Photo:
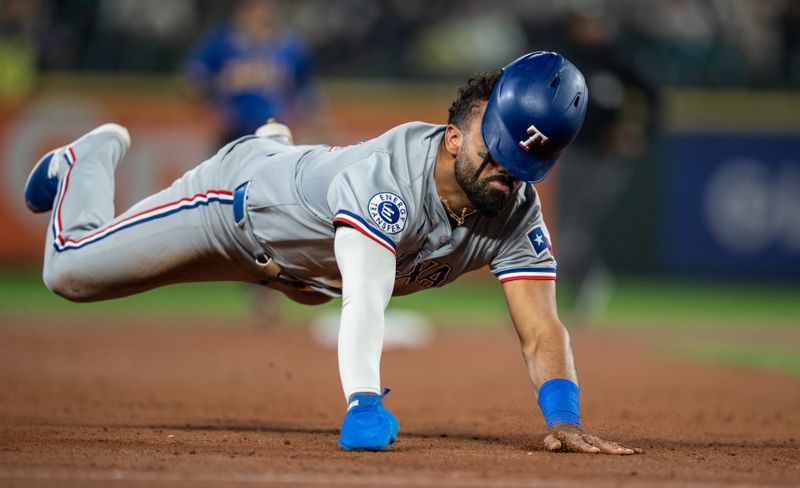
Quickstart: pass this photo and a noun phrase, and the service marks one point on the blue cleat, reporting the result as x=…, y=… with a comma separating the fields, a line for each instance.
x=42, y=184
x=368, y=426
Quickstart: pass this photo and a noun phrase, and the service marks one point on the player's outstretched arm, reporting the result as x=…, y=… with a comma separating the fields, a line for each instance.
x=548, y=356
x=367, y=270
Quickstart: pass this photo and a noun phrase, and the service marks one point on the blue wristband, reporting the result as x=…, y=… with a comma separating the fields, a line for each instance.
x=559, y=400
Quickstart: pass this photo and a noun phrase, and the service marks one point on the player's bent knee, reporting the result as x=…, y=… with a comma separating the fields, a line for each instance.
x=71, y=286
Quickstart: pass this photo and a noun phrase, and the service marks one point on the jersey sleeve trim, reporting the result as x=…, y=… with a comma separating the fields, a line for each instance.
x=359, y=224
x=526, y=274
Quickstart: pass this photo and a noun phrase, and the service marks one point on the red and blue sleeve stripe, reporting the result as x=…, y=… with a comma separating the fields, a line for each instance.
x=526, y=274
x=358, y=223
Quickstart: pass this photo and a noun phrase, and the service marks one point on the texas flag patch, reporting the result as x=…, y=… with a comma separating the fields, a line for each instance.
x=540, y=241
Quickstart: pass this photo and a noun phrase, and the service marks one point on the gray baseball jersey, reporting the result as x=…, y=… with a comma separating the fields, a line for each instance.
x=257, y=196
x=385, y=189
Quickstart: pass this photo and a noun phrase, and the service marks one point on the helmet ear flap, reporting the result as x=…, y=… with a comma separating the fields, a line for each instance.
x=535, y=111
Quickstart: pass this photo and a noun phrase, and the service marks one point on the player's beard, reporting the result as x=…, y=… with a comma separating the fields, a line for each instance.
x=486, y=200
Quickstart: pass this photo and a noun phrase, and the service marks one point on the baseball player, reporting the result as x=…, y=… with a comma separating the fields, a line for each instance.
x=412, y=209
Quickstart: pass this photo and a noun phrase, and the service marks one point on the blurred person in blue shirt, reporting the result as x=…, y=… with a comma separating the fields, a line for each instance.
x=251, y=69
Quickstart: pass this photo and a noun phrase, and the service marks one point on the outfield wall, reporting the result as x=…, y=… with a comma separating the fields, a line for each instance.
x=730, y=201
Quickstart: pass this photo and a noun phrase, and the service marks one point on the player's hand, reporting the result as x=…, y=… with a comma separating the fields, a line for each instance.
x=570, y=438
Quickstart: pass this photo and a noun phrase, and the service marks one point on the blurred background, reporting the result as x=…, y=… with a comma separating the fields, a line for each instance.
x=679, y=202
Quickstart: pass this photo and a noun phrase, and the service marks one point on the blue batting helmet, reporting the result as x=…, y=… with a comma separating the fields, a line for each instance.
x=536, y=109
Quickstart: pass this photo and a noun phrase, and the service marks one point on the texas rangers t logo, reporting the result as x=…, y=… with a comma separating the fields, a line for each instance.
x=536, y=137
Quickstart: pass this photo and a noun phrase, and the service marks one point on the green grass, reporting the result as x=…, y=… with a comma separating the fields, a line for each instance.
x=749, y=357
x=634, y=303
x=22, y=293
x=645, y=302
x=463, y=304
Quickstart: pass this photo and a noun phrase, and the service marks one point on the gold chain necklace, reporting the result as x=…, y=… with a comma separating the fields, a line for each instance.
x=464, y=213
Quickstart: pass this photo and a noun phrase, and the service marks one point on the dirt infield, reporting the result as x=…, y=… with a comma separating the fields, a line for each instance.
x=203, y=405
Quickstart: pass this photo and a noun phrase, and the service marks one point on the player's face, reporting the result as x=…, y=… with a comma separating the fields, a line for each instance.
x=489, y=187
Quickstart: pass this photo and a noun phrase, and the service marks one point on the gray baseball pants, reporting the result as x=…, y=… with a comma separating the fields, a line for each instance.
x=195, y=230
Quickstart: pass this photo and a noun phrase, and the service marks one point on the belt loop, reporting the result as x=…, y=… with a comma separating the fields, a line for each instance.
x=264, y=260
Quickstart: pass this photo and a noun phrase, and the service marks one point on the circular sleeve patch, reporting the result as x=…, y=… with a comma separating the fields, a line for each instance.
x=389, y=212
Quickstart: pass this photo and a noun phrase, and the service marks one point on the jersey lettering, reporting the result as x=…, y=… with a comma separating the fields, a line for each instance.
x=429, y=274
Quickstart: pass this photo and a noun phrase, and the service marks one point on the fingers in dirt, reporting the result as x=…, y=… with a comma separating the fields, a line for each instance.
x=607, y=447
x=574, y=442
x=551, y=443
